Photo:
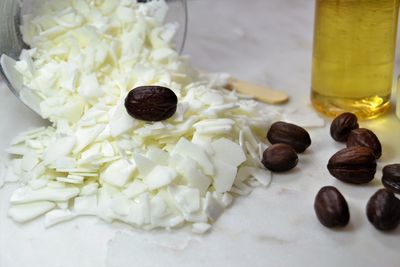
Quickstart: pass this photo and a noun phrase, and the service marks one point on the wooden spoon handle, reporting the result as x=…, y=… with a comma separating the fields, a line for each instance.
x=264, y=94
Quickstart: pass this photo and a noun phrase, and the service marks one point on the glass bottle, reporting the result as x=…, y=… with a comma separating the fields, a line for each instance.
x=353, y=56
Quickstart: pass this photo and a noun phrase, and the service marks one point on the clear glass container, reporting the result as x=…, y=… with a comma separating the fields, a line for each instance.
x=11, y=41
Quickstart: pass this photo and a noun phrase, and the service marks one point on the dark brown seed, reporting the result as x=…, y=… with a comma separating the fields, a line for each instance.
x=151, y=103
x=331, y=207
x=383, y=210
x=280, y=158
x=392, y=185
x=391, y=177
x=355, y=165
x=366, y=138
x=290, y=134
x=342, y=125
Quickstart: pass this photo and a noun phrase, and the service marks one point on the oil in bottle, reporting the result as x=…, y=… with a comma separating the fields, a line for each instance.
x=353, y=56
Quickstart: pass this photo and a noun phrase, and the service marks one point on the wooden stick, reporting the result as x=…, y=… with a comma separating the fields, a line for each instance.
x=263, y=94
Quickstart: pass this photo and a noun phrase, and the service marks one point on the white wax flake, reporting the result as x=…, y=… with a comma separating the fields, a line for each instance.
x=57, y=216
x=158, y=155
x=64, y=163
x=118, y=173
x=107, y=149
x=160, y=176
x=121, y=205
x=228, y=152
x=91, y=151
x=180, y=112
x=150, y=129
x=136, y=214
x=261, y=148
x=85, y=136
x=224, y=177
x=263, y=176
x=63, y=128
x=253, y=152
x=241, y=189
x=193, y=177
x=90, y=87
x=135, y=189
x=62, y=204
x=57, y=185
x=249, y=137
x=140, y=210
x=121, y=121
x=188, y=149
x=220, y=109
x=57, y=108
x=80, y=175
x=69, y=77
x=186, y=199
x=25, y=212
x=213, y=208
x=29, y=161
x=34, y=144
x=58, y=149
x=19, y=150
x=144, y=165
x=69, y=180
x=197, y=217
x=78, y=170
x=69, y=19
x=176, y=221
x=26, y=195
x=227, y=199
x=212, y=98
x=37, y=183
x=97, y=111
x=89, y=189
x=85, y=205
x=96, y=159
x=204, y=142
x=24, y=136
x=162, y=54
x=159, y=211
x=214, y=126
x=103, y=205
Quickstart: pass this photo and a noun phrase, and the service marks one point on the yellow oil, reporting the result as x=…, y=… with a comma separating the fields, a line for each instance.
x=353, y=56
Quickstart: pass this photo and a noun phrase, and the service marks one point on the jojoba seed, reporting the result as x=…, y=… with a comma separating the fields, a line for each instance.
x=280, y=158
x=331, y=207
x=355, y=165
x=366, y=138
x=342, y=125
x=290, y=134
x=383, y=210
x=391, y=177
x=151, y=103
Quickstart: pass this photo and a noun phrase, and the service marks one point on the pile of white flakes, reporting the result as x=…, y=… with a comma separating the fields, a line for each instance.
x=85, y=57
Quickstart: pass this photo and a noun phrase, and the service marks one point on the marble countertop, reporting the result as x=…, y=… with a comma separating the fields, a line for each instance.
x=268, y=42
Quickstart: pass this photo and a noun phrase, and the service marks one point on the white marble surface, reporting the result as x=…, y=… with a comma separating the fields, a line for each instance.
x=268, y=42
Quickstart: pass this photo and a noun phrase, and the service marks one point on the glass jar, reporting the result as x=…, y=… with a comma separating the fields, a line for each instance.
x=11, y=42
